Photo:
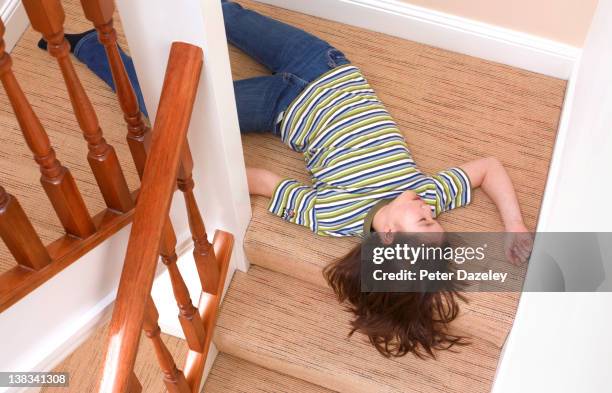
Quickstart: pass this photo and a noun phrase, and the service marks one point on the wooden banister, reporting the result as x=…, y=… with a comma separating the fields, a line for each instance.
x=190, y=320
x=19, y=234
x=135, y=386
x=203, y=251
x=208, y=308
x=56, y=180
x=47, y=17
x=174, y=379
x=158, y=183
x=163, y=163
x=100, y=13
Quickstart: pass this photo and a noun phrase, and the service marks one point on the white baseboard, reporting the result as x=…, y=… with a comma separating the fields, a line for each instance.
x=15, y=20
x=555, y=170
x=445, y=31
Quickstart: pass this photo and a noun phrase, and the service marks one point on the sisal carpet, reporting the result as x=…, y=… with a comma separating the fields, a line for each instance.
x=452, y=108
x=231, y=374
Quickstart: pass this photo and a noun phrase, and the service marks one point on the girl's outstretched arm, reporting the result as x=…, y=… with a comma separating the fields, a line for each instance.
x=490, y=175
x=262, y=181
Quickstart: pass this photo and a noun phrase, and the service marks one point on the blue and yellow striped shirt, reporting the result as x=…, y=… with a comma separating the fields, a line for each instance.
x=356, y=156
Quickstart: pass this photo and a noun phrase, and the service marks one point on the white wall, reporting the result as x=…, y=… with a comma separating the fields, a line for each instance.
x=41, y=329
x=561, y=342
x=445, y=30
x=221, y=188
x=560, y=20
x=15, y=20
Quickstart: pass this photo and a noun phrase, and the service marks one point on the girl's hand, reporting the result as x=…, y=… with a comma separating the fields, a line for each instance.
x=519, y=244
x=490, y=175
x=262, y=181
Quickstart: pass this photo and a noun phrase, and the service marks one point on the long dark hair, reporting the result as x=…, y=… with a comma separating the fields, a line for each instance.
x=396, y=323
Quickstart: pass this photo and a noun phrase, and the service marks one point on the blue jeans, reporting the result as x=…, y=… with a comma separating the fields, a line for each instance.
x=91, y=52
x=294, y=57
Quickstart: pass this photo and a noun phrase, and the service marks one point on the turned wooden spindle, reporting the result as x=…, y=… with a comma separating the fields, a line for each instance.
x=134, y=386
x=100, y=13
x=190, y=319
x=174, y=379
x=47, y=17
x=19, y=234
x=203, y=251
x=56, y=179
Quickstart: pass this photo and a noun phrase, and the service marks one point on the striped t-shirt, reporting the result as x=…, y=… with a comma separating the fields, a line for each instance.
x=356, y=156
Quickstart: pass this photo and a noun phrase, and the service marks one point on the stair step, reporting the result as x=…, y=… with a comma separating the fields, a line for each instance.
x=230, y=374
x=291, y=249
x=299, y=329
x=301, y=254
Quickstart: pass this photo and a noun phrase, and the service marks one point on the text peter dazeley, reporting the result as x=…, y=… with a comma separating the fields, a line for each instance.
x=424, y=274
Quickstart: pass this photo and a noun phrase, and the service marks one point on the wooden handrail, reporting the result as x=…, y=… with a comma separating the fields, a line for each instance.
x=163, y=163
x=158, y=184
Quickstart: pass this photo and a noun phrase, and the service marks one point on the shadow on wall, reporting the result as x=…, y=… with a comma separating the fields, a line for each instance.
x=570, y=262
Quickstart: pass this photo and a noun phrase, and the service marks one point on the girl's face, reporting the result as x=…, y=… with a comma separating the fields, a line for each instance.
x=408, y=213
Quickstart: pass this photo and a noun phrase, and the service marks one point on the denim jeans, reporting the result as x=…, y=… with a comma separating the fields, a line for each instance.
x=91, y=52
x=294, y=57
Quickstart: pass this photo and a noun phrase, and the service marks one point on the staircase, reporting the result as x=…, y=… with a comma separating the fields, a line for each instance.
x=297, y=328
x=281, y=328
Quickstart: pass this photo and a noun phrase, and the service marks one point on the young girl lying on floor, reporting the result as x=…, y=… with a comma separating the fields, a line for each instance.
x=363, y=175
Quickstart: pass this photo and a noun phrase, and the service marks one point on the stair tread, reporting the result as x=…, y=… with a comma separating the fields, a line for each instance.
x=490, y=314
x=230, y=374
x=299, y=329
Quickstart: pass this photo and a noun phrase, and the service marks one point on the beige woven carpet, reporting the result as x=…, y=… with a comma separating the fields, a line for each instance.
x=40, y=78
x=452, y=108
x=297, y=328
x=234, y=375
